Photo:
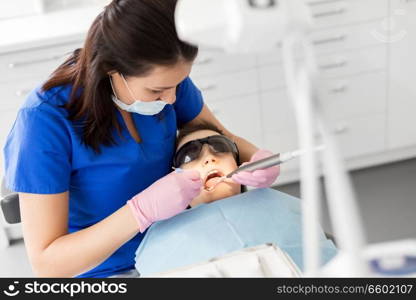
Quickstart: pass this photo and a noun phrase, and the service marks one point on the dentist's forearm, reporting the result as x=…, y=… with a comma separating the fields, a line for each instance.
x=78, y=252
x=245, y=148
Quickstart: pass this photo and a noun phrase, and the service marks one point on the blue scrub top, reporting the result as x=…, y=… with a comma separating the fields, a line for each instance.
x=44, y=155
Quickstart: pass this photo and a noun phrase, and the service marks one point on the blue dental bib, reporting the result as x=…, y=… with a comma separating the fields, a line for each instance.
x=211, y=230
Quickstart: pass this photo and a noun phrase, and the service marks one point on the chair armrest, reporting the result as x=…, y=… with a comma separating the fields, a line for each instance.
x=11, y=208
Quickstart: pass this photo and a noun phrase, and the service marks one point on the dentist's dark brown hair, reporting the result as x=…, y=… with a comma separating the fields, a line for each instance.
x=130, y=37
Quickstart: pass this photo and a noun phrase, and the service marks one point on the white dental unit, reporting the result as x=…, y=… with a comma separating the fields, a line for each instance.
x=247, y=26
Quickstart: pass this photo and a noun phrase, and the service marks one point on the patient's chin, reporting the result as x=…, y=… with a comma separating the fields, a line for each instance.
x=223, y=190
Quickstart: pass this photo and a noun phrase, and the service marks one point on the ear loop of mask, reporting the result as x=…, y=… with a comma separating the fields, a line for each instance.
x=128, y=88
x=112, y=87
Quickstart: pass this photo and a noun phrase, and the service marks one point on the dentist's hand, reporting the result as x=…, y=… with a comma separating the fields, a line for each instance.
x=165, y=198
x=259, y=178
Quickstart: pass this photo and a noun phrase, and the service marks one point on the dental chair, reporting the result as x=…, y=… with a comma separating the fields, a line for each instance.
x=9, y=202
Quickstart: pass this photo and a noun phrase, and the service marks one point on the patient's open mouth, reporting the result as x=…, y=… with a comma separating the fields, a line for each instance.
x=212, y=177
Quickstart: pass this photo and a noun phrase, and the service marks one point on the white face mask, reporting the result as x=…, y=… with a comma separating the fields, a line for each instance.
x=140, y=107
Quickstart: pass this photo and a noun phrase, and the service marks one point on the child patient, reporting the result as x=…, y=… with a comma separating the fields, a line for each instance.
x=205, y=149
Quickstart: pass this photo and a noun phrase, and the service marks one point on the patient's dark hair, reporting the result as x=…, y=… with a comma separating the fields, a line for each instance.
x=200, y=126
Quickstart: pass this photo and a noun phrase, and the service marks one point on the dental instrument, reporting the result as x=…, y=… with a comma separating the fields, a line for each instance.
x=264, y=163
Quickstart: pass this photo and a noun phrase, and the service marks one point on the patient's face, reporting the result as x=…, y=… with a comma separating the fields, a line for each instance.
x=211, y=164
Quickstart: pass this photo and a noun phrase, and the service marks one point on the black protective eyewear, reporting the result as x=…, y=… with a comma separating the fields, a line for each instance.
x=191, y=150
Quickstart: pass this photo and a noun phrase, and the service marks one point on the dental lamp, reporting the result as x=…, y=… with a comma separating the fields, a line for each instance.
x=256, y=26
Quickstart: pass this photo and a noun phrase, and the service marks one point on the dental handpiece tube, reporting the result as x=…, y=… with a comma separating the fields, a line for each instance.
x=271, y=161
x=264, y=163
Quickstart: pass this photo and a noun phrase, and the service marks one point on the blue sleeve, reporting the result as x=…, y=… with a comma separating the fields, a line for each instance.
x=189, y=102
x=37, y=153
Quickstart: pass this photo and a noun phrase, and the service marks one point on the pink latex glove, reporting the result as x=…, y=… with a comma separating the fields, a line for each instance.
x=259, y=178
x=166, y=197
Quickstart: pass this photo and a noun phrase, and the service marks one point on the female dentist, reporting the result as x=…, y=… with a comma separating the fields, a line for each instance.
x=91, y=149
